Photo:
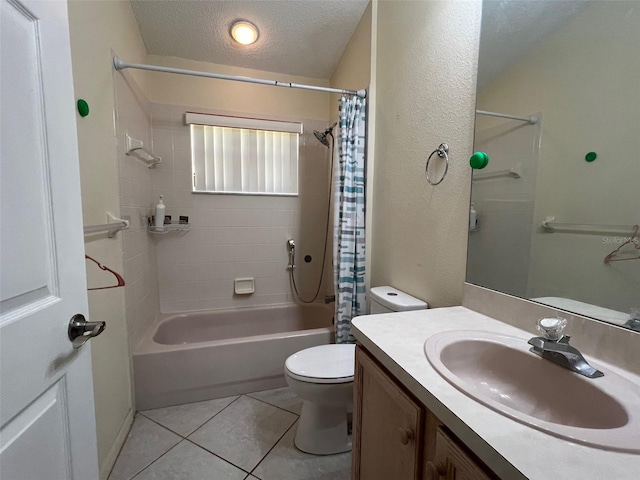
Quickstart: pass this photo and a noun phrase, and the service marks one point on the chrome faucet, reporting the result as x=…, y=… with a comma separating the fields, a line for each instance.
x=555, y=347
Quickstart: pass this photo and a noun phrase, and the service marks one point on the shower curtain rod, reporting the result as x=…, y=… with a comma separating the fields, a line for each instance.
x=121, y=65
x=532, y=120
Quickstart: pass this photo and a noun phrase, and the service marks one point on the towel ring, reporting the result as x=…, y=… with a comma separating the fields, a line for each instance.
x=443, y=152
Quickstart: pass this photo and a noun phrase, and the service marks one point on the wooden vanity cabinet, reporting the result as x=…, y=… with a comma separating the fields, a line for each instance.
x=388, y=425
x=396, y=438
x=451, y=461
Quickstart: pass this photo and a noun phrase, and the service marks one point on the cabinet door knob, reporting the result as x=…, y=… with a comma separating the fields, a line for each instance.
x=434, y=472
x=406, y=435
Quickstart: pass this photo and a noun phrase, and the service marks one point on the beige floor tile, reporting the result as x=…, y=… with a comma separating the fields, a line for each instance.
x=244, y=432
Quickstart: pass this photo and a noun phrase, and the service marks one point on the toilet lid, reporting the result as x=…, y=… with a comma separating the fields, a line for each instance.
x=323, y=364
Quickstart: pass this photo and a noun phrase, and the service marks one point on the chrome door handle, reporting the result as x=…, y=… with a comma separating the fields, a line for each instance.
x=80, y=330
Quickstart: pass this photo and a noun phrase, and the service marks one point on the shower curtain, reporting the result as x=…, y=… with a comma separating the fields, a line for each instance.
x=349, y=216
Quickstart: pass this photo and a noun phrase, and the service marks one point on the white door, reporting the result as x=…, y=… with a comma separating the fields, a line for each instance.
x=47, y=424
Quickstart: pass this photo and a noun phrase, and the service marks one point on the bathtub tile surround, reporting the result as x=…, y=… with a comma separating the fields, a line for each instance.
x=244, y=432
x=153, y=452
x=133, y=115
x=235, y=235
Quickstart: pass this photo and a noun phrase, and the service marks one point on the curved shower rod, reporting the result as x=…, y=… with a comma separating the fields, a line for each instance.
x=119, y=64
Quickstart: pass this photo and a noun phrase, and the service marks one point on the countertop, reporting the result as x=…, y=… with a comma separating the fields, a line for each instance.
x=511, y=449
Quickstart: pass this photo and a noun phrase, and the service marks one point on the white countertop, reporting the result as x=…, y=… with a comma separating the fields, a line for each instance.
x=512, y=450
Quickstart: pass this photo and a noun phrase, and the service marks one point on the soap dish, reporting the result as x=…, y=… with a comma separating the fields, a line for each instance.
x=244, y=286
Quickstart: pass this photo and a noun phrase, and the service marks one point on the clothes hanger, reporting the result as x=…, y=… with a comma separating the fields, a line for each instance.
x=633, y=239
x=102, y=267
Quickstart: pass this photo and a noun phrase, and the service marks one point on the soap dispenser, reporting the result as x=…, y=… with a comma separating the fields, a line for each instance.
x=473, y=217
x=159, y=215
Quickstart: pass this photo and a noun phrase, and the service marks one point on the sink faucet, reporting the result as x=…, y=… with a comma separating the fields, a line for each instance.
x=555, y=347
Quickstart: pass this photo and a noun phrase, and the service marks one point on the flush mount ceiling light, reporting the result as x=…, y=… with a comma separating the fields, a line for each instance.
x=244, y=32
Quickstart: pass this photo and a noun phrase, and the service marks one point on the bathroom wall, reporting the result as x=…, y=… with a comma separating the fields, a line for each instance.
x=354, y=69
x=96, y=28
x=425, y=82
x=235, y=236
x=597, y=48
x=133, y=117
x=500, y=247
x=264, y=100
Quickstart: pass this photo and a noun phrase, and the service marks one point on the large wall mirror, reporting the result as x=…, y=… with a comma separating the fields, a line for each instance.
x=559, y=202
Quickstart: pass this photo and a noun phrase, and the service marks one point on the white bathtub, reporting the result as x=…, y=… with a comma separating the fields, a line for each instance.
x=204, y=355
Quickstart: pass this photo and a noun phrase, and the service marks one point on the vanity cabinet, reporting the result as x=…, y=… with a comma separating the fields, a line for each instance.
x=396, y=438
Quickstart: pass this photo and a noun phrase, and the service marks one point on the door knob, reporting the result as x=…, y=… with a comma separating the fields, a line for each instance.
x=80, y=331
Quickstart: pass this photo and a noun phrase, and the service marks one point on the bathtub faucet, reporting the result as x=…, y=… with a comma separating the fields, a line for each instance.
x=291, y=247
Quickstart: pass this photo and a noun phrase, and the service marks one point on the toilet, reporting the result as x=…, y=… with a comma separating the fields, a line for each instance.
x=322, y=377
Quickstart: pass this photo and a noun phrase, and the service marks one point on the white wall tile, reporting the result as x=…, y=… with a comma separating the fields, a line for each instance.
x=232, y=235
x=141, y=276
x=163, y=179
x=217, y=271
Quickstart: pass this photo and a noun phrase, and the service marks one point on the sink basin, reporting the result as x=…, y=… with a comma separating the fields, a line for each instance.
x=500, y=372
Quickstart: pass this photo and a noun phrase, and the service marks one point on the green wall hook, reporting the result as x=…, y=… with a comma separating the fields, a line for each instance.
x=591, y=156
x=83, y=107
x=479, y=160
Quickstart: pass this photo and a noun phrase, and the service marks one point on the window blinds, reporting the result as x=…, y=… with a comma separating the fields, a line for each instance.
x=244, y=160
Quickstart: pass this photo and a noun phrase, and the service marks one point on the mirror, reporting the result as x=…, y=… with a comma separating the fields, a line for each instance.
x=560, y=192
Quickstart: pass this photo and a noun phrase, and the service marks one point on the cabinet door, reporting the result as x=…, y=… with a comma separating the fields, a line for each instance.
x=388, y=426
x=452, y=462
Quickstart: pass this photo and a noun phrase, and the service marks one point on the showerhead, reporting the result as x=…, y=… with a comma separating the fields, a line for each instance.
x=322, y=136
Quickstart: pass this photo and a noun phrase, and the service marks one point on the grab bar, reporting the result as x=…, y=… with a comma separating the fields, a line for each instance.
x=113, y=226
x=550, y=225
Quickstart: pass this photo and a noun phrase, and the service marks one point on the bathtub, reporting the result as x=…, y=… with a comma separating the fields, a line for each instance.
x=203, y=355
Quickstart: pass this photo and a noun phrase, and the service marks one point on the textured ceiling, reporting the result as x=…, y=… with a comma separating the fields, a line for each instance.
x=511, y=28
x=299, y=37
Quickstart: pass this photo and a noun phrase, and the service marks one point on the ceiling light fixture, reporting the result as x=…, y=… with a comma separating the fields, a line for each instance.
x=244, y=32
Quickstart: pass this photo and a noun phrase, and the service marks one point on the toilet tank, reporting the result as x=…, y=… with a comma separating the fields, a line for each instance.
x=388, y=299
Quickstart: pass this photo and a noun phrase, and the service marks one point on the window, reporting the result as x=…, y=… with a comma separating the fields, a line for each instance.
x=244, y=155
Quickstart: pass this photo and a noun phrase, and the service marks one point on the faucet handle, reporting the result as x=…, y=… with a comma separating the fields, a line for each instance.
x=552, y=328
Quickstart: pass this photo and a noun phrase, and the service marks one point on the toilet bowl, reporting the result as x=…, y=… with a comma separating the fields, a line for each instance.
x=322, y=377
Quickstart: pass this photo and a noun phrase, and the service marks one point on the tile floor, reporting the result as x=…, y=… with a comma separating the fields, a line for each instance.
x=234, y=438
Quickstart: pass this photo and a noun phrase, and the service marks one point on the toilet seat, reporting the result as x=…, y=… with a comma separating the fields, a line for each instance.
x=323, y=364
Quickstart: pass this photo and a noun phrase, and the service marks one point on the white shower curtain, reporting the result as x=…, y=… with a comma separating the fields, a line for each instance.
x=349, y=218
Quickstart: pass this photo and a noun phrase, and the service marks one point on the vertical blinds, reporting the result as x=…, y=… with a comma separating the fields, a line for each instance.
x=228, y=159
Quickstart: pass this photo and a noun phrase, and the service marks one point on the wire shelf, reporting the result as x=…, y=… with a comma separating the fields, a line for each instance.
x=169, y=227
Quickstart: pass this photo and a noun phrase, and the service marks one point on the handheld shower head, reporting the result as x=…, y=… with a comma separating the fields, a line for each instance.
x=322, y=136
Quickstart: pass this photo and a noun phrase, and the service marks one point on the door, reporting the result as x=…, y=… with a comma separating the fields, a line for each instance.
x=47, y=424
x=453, y=462
x=388, y=426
